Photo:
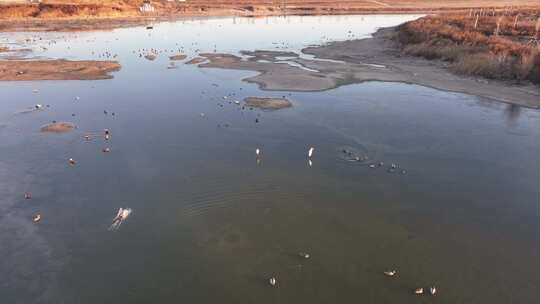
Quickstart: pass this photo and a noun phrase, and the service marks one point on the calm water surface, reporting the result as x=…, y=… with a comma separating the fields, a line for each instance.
x=210, y=225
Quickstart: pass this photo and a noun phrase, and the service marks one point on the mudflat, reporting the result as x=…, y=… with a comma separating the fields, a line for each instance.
x=60, y=69
x=196, y=60
x=58, y=127
x=372, y=59
x=178, y=57
x=268, y=103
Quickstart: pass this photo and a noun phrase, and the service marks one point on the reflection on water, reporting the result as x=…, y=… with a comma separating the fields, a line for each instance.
x=210, y=224
x=512, y=113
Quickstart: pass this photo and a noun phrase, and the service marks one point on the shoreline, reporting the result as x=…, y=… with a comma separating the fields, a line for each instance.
x=379, y=58
x=90, y=15
x=357, y=61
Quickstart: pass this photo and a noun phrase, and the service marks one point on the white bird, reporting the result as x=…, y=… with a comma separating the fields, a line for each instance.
x=258, y=152
x=310, y=152
x=37, y=218
x=432, y=290
x=272, y=281
x=39, y=106
x=310, y=163
x=419, y=291
x=125, y=213
x=390, y=273
x=118, y=216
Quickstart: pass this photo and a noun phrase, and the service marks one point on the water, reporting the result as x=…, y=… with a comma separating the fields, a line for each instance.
x=211, y=225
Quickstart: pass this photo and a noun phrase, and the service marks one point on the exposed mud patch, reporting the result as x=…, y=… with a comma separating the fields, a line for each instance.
x=268, y=103
x=11, y=70
x=58, y=127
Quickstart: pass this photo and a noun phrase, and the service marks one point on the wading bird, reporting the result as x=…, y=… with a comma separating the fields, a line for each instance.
x=390, y=273
x=310, y=152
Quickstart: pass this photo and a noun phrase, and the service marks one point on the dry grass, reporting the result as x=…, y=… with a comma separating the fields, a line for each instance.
x=497, y=44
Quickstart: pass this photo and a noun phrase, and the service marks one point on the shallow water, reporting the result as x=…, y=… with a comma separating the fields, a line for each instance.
x=211, y=225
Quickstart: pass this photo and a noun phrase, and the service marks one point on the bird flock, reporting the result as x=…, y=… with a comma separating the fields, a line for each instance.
x=418, y=291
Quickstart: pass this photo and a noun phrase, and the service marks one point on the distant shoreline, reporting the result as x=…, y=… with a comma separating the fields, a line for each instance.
x=87, y=15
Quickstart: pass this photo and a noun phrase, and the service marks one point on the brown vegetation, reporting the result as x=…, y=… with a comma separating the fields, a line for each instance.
x=17, y=14
x=496, y=44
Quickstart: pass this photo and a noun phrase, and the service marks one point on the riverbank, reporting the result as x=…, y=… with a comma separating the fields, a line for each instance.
x=379, y=58
x=77, y=15
x=492, y=44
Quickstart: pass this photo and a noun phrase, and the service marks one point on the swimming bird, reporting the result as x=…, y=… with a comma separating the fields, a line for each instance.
x=120, y=217
x=106, y=150
x=419, y=291
x=38, y=106
x=27, y=195
x=272, y=281
x=304, y=255
x=258, y=152
x=432, y=290
x=72, y=161
x=37, y=218
x=310, y=152
x=125, y=213
x=390, y=273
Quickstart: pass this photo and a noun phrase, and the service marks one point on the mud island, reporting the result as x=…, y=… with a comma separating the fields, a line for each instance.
x=268, y=103
x=60, y=69
x=58, y=127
